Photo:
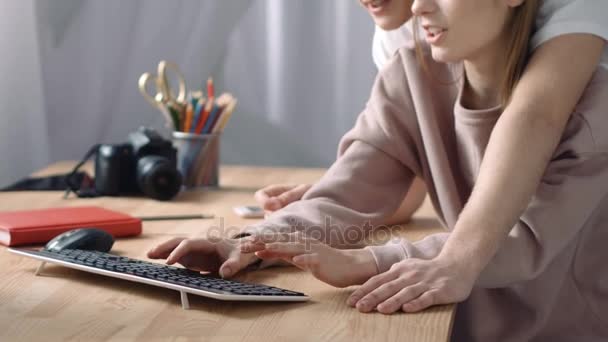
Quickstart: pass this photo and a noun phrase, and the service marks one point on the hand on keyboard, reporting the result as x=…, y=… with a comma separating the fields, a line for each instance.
x=336, y=267
x=209, y=255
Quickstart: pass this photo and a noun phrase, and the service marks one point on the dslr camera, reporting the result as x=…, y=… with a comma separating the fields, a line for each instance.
x=146, y=164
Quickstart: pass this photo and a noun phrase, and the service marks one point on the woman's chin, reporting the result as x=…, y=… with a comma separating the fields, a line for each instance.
x=443, y=56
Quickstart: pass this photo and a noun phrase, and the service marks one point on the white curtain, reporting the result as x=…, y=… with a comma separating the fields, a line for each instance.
x=301, y=70
x=23, y=123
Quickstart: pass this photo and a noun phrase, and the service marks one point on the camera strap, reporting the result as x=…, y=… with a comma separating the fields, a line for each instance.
x=55, y=182
x=82, y=187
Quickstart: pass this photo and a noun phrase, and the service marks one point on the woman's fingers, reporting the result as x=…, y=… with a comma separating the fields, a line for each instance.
x=208, y=263
x=402, y=297
x=163, y=250
x=251, y=244
x=371, y=300
x=254, y=242
x=285, y=249
x=370, y=285
x=235, y=262
x=275, y=197
x=307, y=262
x=293, y=195
x=266, y=197
x=421, y=284
x=311, y=259
x=304, y=262
x=189, y=246
x=272, y=191
x=426, y=300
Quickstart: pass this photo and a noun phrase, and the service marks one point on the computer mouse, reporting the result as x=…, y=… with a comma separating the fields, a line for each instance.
x=91, y=239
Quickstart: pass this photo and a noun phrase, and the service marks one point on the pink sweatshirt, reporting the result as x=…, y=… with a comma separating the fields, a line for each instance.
x=549, y=280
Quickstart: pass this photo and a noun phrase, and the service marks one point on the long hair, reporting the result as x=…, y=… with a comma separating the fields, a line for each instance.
x=518, y=47
x=521, y=26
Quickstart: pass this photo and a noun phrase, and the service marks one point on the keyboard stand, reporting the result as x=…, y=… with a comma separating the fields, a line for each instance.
x=39, y=269
x=185, y=302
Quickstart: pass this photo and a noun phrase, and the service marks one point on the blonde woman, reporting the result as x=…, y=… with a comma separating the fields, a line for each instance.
x=546, y=280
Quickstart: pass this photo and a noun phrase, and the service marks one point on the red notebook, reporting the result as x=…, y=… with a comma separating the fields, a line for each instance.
x=40, y=226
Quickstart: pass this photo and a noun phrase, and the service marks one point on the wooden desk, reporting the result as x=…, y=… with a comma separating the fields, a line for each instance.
x=65, y=304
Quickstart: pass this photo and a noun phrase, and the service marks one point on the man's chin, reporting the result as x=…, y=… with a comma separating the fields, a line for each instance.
x=388, y=24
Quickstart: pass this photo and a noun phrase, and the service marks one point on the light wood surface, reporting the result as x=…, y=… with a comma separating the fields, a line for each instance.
x=65, y=304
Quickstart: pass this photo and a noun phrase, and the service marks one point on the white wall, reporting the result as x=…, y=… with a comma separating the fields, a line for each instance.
x=23, y=125
x=301, y=69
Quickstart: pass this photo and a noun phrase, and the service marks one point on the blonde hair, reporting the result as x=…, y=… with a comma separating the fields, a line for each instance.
x=522, y=25
x=518, y=47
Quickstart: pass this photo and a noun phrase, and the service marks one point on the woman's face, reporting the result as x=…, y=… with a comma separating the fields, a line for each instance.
x=463, y=29
x=388, y=14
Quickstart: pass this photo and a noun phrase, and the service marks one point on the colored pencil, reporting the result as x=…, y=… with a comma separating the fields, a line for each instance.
x=204, y=116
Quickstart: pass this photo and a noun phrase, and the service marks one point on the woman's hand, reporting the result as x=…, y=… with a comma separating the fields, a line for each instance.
x=413, y=285
x=275, y=197
x=206, y=255
x=340, y=268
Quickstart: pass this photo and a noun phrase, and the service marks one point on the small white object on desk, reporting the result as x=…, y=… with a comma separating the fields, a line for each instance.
x=247, y=211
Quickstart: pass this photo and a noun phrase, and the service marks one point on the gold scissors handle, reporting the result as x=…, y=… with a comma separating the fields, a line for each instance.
x=155, y=101
x=164, y=100
x=165, y=88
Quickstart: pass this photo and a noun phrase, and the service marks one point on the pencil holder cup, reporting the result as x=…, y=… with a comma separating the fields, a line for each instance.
x=198, y=159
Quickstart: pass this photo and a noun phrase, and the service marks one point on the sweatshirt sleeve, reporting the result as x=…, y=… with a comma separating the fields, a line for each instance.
x=573, y=189
x=401, y=249
x=560, y=17
x=377, y=161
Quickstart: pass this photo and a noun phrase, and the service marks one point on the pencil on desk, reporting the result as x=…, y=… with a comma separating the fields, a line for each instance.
x=175, y=217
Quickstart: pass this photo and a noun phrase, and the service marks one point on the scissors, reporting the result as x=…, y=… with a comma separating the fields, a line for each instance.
x=164, y=99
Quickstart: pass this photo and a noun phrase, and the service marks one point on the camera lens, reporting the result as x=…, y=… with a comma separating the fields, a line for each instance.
x=158, y=178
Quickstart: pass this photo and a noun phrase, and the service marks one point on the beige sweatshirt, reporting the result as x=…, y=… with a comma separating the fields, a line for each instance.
x=549, y=280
